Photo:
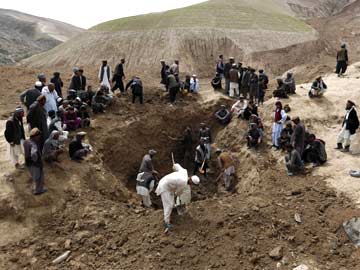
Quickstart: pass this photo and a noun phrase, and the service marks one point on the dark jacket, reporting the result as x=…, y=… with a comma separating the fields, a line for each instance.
x=82, y=79
x=263, y=81
x=342, y=55
x=352, y=123
x=255, y=134
x=298, y=138
x=14, y=131
x=29, y=97
x=220, y=68
x=234, y=75
x=205, y=133
x=32, y=158
x=37, y=118
x=74, y=146
x=227, y=68
x=58, y=85
x=136, y=87
x=246, y=79
x=316, y=85
x=119, y=72
x=75, y=83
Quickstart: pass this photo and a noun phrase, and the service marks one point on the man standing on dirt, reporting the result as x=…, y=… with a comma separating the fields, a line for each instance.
x=227, y=69
x=342, y=60
x=234, y=81
x=226, y=165
x=75, y=83
x=200, y=158
x=56, y=80
x=145, y=183
x=146, y=163
x=51, y=98
x=205, y=135
x=173, y=86
x=186, y=145
x=164, y=73
x=245, y=82
x=263, y=86
x=37, y=118
x=220, y=66
x=29, y=96
x=279, y=120
x=175, y=69
x=33, y=160
x=173, y=184
x=119, y=76
x=298, y=136
x=105, y=74
x=15, y=136
x=349, y=127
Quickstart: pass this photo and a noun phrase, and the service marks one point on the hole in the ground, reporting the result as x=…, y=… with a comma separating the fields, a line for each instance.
x=126, y=142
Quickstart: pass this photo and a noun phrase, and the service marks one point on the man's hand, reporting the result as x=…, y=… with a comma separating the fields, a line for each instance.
x=155, y=172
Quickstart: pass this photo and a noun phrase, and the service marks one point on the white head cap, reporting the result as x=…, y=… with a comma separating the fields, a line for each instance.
x=195, y=179
x=38, y=83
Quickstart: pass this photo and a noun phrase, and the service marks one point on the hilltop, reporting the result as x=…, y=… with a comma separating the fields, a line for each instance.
x=23, y=35
x=195, y=34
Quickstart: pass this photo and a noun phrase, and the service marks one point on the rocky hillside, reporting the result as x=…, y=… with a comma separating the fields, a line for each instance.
x=319, y=8
x=195, y=34
x=23, y=35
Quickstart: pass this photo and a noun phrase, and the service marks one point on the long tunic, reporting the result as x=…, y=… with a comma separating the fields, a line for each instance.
x=105, y=78
x=277, y=128
x=170, y=185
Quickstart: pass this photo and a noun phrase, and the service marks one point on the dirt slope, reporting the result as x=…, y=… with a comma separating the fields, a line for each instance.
x=324, y=117
x=23, y=35
x=196, y=35
x=92, y=211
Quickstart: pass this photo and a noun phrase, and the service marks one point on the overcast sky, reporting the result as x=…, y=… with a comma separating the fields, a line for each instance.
x=88, y=13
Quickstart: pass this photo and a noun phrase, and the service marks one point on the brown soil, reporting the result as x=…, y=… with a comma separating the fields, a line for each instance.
x=91, y=208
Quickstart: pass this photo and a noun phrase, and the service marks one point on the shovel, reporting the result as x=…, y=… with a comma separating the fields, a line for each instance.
x=172, y=158
x=201, y=170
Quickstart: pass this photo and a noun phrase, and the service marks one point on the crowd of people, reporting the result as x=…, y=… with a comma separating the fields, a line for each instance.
x=53, y=117
x=240, y=80
x=173, y=84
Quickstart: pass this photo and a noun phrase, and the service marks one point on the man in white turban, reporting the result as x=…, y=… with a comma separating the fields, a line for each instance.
x=174, y=184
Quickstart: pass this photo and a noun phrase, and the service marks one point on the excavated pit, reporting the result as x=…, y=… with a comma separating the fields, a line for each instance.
x=131, y=135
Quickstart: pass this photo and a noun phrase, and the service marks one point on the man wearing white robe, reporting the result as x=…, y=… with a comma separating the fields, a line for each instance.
x=51, y=98
x=173, y=184
x=279, y=120
x=105, y=74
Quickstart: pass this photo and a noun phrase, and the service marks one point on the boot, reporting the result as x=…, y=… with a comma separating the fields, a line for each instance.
x=339, y=146
x=346, y=149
